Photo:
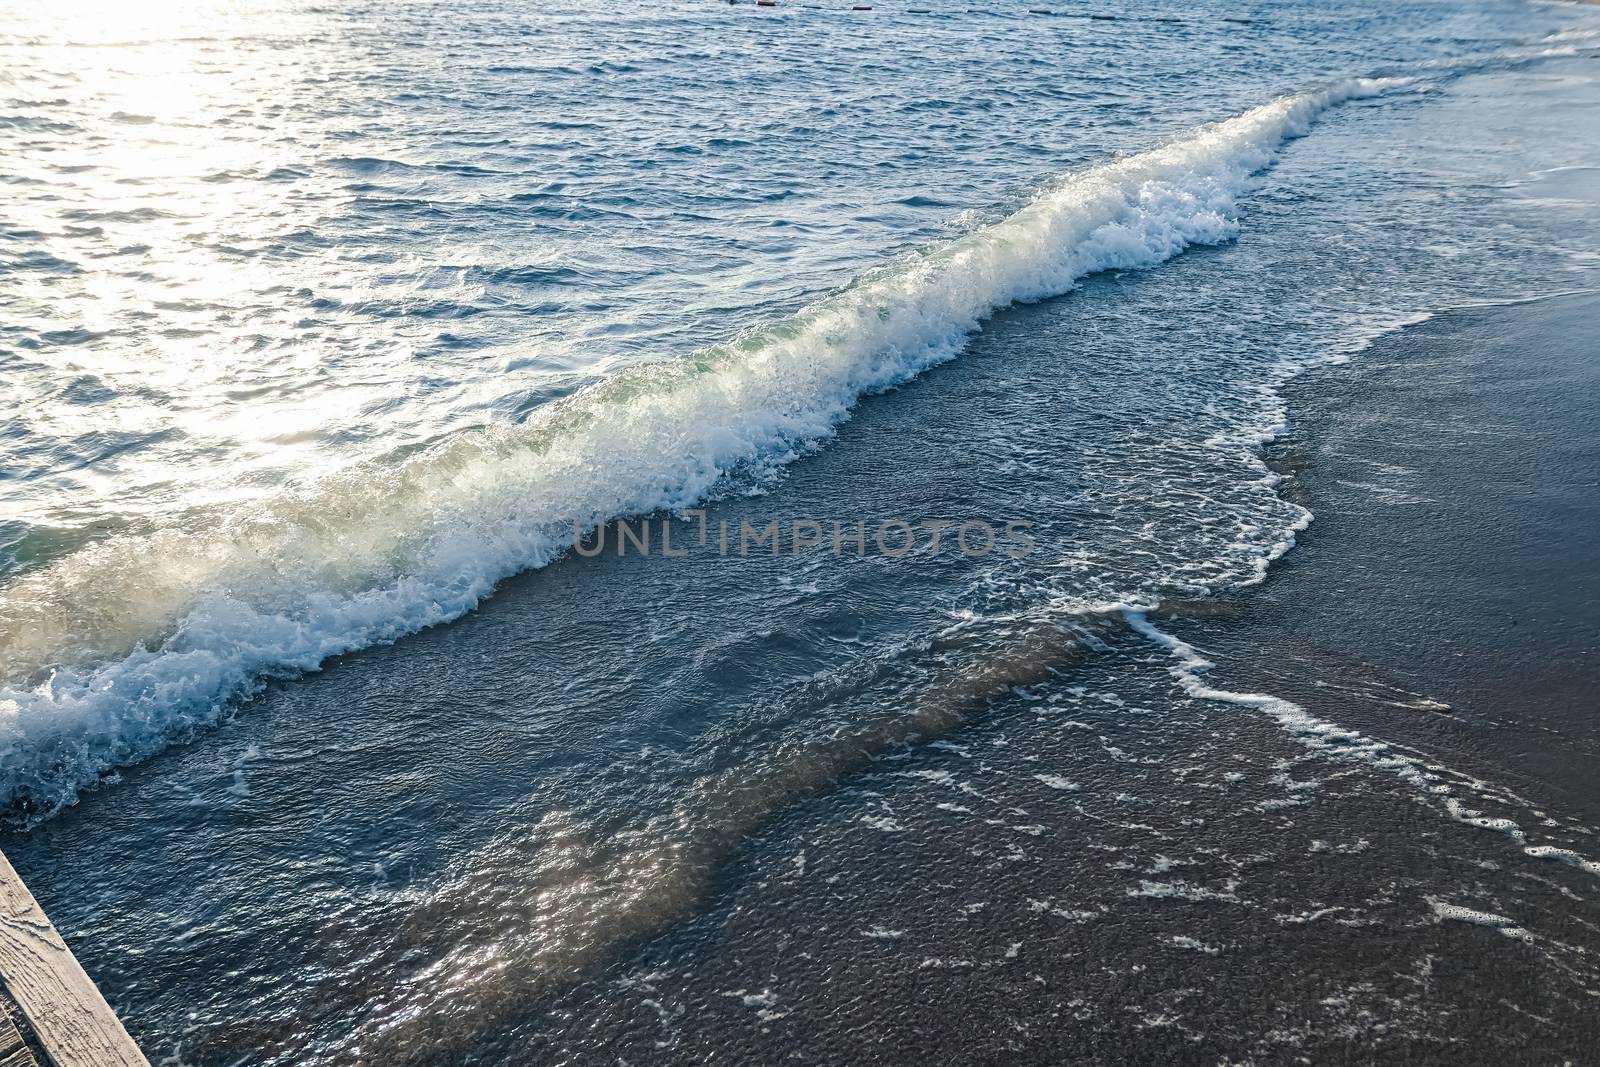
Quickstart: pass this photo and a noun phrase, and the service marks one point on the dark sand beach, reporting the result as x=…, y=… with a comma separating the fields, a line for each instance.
x=1455, y=473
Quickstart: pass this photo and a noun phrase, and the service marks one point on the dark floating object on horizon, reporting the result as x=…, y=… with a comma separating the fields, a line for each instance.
x=1031, y=11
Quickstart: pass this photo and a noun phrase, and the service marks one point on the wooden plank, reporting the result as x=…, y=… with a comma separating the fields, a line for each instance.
x=14, y=1049
x=71, y=1020
x=10, y=1037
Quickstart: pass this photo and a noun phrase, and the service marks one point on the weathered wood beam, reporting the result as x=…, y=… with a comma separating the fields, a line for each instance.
x=70, y=1019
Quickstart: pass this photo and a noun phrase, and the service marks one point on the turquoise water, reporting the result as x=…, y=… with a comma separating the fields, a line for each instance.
x=324, y=325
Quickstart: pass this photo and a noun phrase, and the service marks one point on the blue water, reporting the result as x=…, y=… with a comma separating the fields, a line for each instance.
x=322, y=323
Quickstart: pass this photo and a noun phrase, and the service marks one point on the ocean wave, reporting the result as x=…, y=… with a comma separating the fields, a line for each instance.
x=110, y=653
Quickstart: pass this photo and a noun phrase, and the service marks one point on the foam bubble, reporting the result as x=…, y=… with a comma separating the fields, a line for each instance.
x=1457, y=913
x=1424, y=776
x=1563, y=855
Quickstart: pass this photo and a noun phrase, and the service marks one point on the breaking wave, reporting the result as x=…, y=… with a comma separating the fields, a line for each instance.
x=109, y=653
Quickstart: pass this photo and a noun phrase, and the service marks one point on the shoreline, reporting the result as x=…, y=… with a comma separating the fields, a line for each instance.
x=1050, y=859
x=1492, y=624
x=1368, y=917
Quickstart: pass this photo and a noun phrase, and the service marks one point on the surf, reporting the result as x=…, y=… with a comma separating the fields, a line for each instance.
x=110, y=653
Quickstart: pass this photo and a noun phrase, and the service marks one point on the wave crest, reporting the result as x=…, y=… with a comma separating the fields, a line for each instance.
x=109, y=653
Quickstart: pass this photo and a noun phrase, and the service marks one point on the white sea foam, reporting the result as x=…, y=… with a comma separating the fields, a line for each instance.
x=1193, y=944
x=1184, y=890
x=1433, y=783
x=1457, y=913
x=1563, y=855
x=109, y=653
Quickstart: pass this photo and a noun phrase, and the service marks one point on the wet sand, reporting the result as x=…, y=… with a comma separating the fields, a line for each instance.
x=1455, y=473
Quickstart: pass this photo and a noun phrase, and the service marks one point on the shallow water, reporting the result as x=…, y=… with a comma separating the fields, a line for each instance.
x=322, y=326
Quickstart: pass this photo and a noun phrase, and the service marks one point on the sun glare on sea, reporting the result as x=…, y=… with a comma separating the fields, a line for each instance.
x=110, y=21
x=155, y=187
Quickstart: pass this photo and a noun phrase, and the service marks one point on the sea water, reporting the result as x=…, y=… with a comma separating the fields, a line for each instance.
x=326, y=326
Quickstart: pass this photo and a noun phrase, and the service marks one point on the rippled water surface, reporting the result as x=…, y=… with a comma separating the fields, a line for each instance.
x=294, y=292
x=321, y=323
x=253, y=244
